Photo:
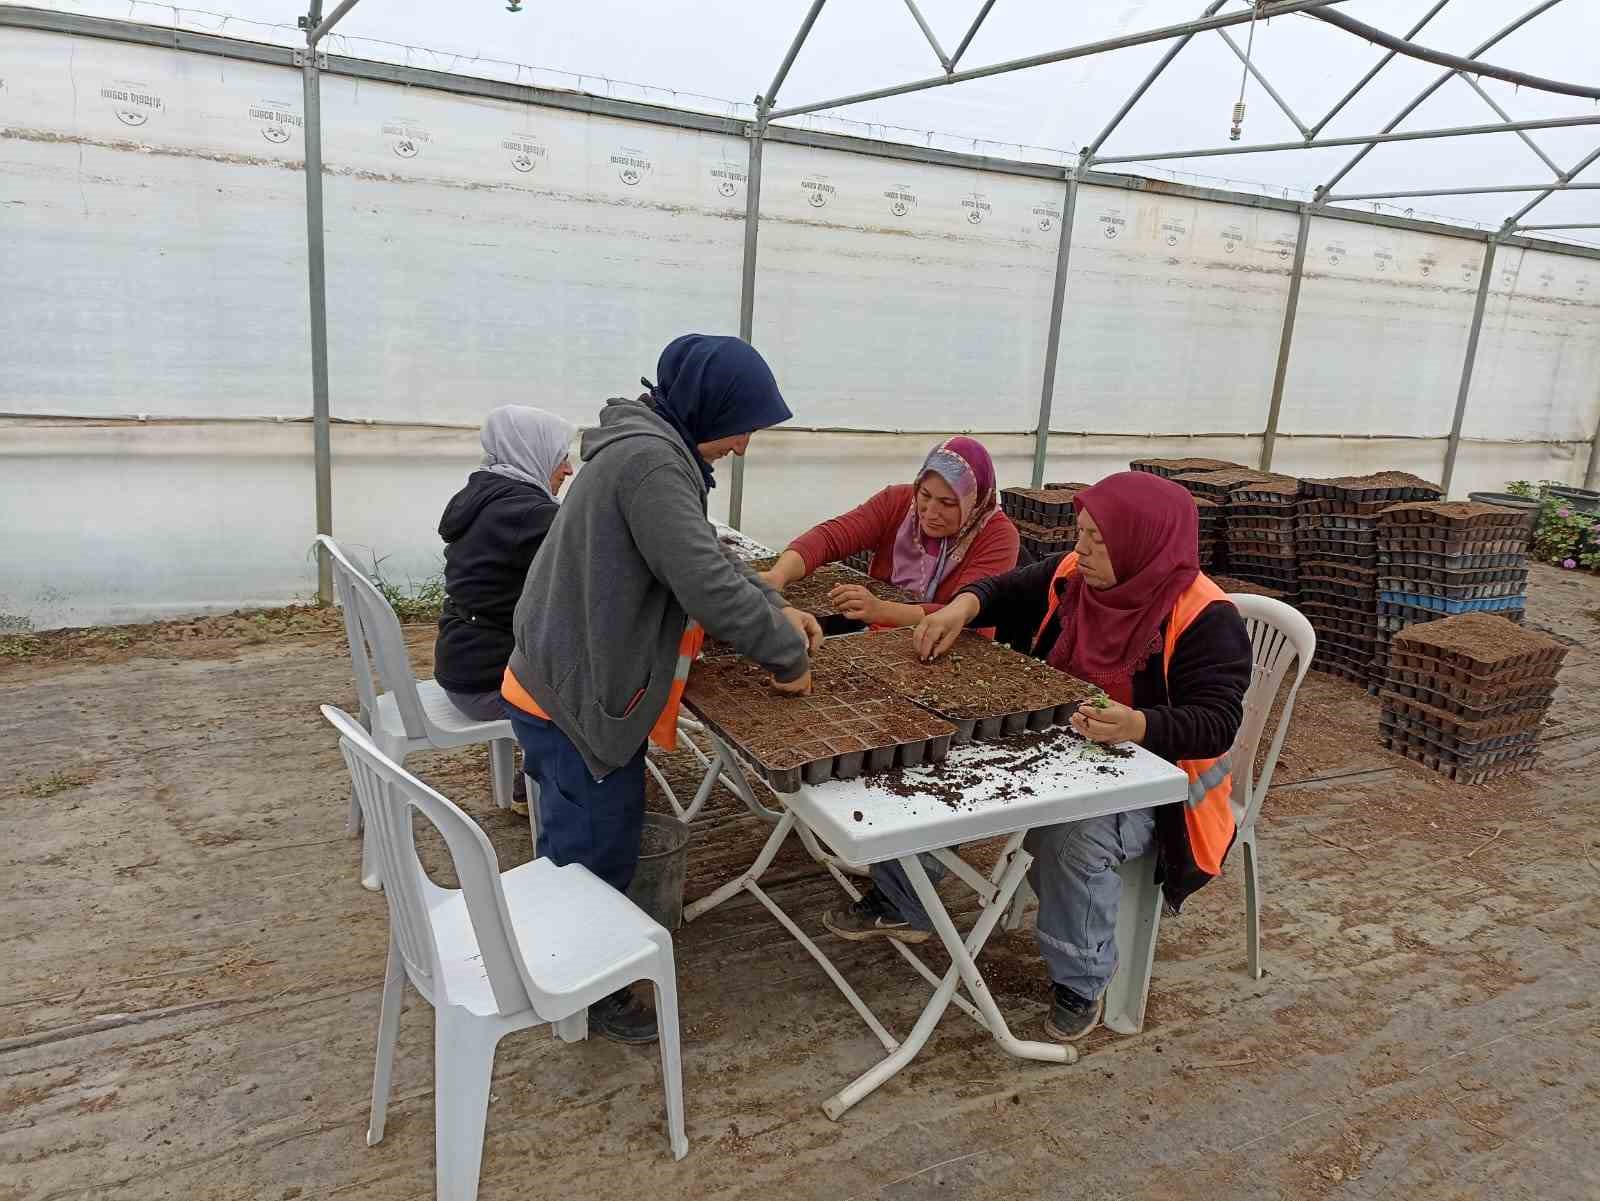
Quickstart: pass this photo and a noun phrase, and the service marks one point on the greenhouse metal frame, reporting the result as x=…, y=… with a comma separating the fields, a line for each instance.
x=313, y=62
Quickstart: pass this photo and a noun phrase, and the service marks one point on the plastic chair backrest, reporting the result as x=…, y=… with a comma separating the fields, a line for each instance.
x=370, y=621
x=1280, y=637
x=388, y=793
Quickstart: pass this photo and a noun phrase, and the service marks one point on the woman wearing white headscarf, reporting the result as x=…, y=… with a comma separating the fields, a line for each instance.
x=492, y=529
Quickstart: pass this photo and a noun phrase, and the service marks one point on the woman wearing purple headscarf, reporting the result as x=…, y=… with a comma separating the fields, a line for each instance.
x=932, y=537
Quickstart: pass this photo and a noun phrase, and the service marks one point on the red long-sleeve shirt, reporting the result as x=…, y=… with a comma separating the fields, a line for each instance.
x=871, y=526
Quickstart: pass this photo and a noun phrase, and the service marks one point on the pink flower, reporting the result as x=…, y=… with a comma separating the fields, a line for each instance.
x=1563, y=512
x=1569, y=564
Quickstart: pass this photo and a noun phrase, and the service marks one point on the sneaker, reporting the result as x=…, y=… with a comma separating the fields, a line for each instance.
x=623, y=1018
x=1072, y=1016
x=873, y=916
x=519, y=795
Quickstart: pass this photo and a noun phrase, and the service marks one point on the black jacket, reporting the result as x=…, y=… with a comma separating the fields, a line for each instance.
x=493, y=527
x=1191, y=711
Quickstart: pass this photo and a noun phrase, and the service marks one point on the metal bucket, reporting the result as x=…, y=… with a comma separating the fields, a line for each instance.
x=657, y=886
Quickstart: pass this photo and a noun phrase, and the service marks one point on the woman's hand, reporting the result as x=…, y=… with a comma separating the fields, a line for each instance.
x=789, y=568
x=806, y=625
x=1107, y=721
x=857, y=603
x=937, y=632
x=800, y=687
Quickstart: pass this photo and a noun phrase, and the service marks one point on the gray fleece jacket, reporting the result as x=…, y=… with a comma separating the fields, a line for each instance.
x=629, y=559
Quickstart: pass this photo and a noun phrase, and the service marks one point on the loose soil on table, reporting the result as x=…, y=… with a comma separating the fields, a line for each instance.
x=977, y=678
x=952, y=782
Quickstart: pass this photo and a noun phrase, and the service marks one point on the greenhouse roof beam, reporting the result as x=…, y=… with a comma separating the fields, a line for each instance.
x=1416, y=135
x=1262, y=80
x=1155, y=73
x=927, y=32
x=1492, y=40
x=1373, y=72
x=972, y=32
x=1165, y=33
x=321, y=26
x=1564, y=183
x=1478, y=191
x=765, y=101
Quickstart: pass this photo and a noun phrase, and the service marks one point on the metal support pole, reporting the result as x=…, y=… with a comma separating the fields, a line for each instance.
x=1052, y=346
x=747, y=293
x=1454, y=444
x=1592, y=472
x=316, y=275
x=972, y=32
x=1269, y=439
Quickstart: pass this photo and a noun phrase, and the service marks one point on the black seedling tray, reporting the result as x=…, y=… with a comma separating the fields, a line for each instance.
x=1517, y=560
x=939, y=686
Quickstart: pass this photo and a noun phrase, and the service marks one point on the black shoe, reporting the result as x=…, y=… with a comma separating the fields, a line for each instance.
x=519, y=795
x=1072, y=1016
x=873, y=916
x=623, y=1018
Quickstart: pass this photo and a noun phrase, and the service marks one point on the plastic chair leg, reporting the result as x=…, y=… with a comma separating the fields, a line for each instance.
x=671, y=1063
x=353, y=820
x=394, y=987
x=1252, y=903
x=463, y=1062
x=502, y=770
x=371, y=877
x=1138, y=923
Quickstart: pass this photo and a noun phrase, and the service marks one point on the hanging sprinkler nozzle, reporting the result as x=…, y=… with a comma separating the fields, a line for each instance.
x=513, y=6
x=1238, y=123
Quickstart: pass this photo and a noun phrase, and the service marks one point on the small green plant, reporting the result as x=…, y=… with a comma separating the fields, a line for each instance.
x=20, y=646
x=416, y=601
x=54, y=784
x=1563, y=536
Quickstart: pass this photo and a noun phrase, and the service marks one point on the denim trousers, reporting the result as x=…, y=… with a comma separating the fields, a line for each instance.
x=597, y=823
x=1074, y=875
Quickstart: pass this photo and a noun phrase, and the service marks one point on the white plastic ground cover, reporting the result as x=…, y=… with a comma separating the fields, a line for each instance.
x=997, y=797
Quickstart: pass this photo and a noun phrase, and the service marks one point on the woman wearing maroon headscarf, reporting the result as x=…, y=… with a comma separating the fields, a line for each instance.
x=1131, y=612
x=932, y=537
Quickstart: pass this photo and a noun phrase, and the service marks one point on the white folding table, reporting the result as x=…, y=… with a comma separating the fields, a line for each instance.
x=1072, y=780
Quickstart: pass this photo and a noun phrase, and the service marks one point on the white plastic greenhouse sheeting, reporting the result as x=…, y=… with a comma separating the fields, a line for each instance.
x=483, y=252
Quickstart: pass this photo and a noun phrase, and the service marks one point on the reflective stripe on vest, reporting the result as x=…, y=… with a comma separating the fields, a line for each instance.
x=665, y=731
x=1208, y=812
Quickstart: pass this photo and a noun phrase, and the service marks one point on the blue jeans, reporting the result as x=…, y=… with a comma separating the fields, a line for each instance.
x=1074, y=874
x=597, y=823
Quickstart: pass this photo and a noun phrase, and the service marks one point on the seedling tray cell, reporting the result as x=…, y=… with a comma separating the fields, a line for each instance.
x=984, y=689
x=849, y=724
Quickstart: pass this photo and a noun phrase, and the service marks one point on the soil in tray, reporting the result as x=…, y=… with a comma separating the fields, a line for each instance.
x=1232, y=584
x=847, y=713
x=1171, y=467
x=1485, y=639
x=977, y=679
x=811, y=593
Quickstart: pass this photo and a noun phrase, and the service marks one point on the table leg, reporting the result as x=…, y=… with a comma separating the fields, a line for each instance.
x=962, y=968
x=747, y=877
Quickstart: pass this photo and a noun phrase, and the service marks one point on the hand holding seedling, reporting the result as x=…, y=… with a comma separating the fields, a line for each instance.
x=856, y=602
x=1104, y=720
x=937, y=632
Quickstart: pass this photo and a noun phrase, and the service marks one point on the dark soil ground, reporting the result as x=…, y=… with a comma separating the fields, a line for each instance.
x=190, y=975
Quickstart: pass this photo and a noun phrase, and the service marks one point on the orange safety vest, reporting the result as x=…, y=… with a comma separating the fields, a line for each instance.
x=665, y=732
x=1208, y=812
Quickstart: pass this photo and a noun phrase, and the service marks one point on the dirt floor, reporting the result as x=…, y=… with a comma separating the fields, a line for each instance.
x=190, y=975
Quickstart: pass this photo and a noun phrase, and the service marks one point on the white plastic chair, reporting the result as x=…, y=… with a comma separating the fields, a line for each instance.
x=501, y=953
x=1280, y=638
x=410, y=714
